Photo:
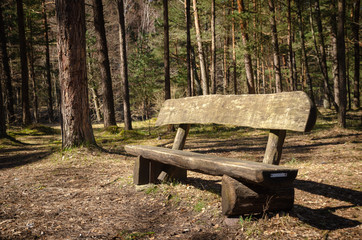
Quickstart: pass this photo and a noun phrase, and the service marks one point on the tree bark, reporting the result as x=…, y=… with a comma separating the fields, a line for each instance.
x=293, y=81
x=5, y=61
x=247, y=56
x=26, y=120
x=226, y=57
x=276, y=59
x=47, y=66
x=96, y=104
x=166, y=49
x=76, y=125
x=204, y=80
x=234, y=49
x=356, y=76
x=32, y=72
x=304, y=54
x=341, y=58
x=124, y=67
x=213, y=49
x=322, y=47
x=2, y=113
x=188, y=49
x=103, y=59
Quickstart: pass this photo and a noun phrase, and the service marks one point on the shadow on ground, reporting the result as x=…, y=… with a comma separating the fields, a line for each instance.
x=22, y=159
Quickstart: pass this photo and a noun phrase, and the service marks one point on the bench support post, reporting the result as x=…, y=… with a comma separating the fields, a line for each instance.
x=141, y=171
x=238, y=199
x=273, y=151
x=172, y=172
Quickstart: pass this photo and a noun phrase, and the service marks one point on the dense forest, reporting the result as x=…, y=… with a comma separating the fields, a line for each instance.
x=140, y=52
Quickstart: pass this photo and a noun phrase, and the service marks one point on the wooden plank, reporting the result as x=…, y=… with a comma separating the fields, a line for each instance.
x=237, y=198
x=258, y=173
x=141, y=171
x=274, y=147
x=287, y=111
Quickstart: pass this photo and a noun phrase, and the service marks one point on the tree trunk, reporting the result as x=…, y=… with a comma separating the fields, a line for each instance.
x=290, y=50
x=341, y=58
x=234, y=50
x=247, y=56
x=204, y=81
x=24, y=65
x=32, y=73
x=356, y=76
x=124, y=67
x=226, y=57
x=196, y=76
x=323, y=54
x=2, y=113
x=96, y=104
x=188, y=50
x=47, y=65
x=213, y=49
x=76, y=125
x=166, y=48
x=304, y=54
x=276, y=59
x=103, y=59
x=5, y=61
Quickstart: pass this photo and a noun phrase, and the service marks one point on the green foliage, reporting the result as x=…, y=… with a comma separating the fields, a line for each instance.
x=199, y=206
x=38, y=130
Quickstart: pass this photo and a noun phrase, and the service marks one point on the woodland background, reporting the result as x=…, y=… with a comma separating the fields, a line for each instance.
x=290, y=45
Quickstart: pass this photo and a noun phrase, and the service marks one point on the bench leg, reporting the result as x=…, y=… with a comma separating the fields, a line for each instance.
x=238, y=199
x=141, y=171
x=172, y=173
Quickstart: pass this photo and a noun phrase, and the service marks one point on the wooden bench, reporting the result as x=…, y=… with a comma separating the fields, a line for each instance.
x=247, y=187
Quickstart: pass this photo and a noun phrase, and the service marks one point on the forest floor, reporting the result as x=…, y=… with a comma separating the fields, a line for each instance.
x=46, y=193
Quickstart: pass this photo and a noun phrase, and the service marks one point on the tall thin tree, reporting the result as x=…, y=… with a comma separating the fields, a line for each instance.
x=213, y=49
x=47, y=65
x=2, y=115
x=204, y=80
x=166, y=49
x=105, y=70
x=75, y=120
x=293, y=82
x=247, y=55
x=26, y=120
x=188, y=49
x=5, y=61
x=233, y=40
x=356, y=76
x=124, y=66
x=304, y=53
x=341, y=58
x=275, y=43
x=323, y=58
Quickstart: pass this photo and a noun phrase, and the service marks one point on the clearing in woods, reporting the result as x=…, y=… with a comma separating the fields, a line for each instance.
x=46, y=193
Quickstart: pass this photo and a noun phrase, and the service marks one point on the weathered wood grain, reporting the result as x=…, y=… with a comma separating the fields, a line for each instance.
x=237, y=198
x=280, y=111
x=248, y=171
x=141, y=173
x=274, y=147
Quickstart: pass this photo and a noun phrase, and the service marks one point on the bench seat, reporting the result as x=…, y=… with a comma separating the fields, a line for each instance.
x=246, y=171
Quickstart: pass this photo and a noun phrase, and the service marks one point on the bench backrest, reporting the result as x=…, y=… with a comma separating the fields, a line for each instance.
x=281, y=111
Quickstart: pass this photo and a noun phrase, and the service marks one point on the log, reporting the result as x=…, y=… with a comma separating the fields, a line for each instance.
x=238, y=199
x=288, y=111
x=253, y=172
